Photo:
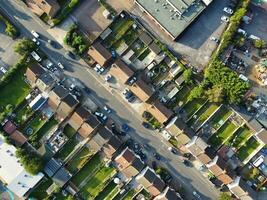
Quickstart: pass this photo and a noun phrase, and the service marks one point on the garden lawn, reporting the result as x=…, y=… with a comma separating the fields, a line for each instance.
x=35, y=124
x=224, y=132
x=192, y=106
x=45, y=129
x=130, y=194
x=205, y=115
x=23, y=114
x=181, y=96
x=69, y=131
x=251, y=145
x=40, y=191
x=196, y=116
x=16, y=90
x=220, y=117
x=144, y=54
x=97, y=182
x=79, y=160
x=108, y=190
x=88, y=169
x=241, y=136
x=67, y=148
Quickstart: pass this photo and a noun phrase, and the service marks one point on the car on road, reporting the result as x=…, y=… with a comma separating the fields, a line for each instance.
x=228, y=10
x=127, y=93
x=72, y=86
x=173, y=150
x=70, y=55
x=36, y=56
x=36, y=41
x=52, y=43
x=156, y=155
x=187, y=163
x=125, y=127
x=107, y=109
x=146, y=125
x=49, y=64
x=215, y=39
x=87, y=90
x=60, y=65
x=108, y=77
x=103, y=118
x=147, y=147
x=35, y=34
x=196, y=194
x=224, y=19
x=3, y=69
x=131, y=99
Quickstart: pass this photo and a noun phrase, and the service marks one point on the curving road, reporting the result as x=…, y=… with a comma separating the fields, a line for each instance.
x=190, y=178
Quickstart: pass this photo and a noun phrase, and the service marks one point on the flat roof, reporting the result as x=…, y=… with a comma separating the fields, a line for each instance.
x=13, y=173
x=173, y=15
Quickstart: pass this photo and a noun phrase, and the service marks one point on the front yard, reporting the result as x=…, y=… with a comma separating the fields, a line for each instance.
x=251, y=145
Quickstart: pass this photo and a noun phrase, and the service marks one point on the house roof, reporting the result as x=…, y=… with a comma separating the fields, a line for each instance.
x=70, y=101
x=111, y=146
x=241, y=189
x=262, y=135
x=121, y=71
x=145, y=38
x=142, y=90
x=255, y=125
x=36, y=69
x=99, y=53
x=47, y=79
x=125, y=158
x=217, y=166
x=92, y=121
x=180, y=80
x=160, y=112
x=82, y=112
x=61, y=177
x=9, y=127
x=102, y=136
x=168, y=194
x=51, y=167
x=176, y=126
x=155, y=48
x=60, y=91
x=138, y=164
x=18, y=138
x=225, y=179
x=204, y=158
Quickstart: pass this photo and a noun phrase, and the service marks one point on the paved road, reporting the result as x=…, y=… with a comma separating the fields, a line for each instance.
x=190, y=178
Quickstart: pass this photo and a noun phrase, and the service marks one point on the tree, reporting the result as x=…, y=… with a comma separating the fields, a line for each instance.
x=215, y=94
x=69, y=197
x=259, y=44
x=252, y=173
x=187, y=74
x=196, y=92
x=225, y=196
x=24, y=46
x=11, y=31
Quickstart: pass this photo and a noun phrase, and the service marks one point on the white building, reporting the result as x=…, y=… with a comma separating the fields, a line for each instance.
x=12, y=173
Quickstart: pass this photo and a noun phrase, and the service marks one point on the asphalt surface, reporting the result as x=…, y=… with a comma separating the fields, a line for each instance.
x=189, y=177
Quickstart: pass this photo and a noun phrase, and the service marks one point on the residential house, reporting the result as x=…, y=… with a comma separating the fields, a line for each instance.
x=45, y=82
x=111, y=146
x=242, y=190
x=180, y=80
x=142, y=90
x=33, y=72
x=89, y=127
x=145, y=38
x=18, y=138
x=100, y=54
x=168, y=194
x=99, y=139
x=129, y=163
x=176, y=126
x=217, y=166
x=121, y=71
x=67, y=106
x=204, y=158
x=262, y=136
x=56, y=96
x=155, y=48
x=160, y=112
x=151, y=181
x=78, y=117
x=196, y=146
x=50, y=7
x=61, y=177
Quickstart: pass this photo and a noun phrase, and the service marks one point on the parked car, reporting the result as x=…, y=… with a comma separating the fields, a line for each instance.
x=146, y=125
x=228, y=10
x=156, y=155
x=107, y=109
x=3, y=69
x=72, y=86
x=187, y=163
x=103, y=118
x=224, y=18
x=36, y=41
x=52, y=43
x=196, y=194
x=125, y=127
x=35, y=34
x=49, y=64
x=99, y=69
x=173, y=150
x=60, y=65
x=215, y=39
x=132, y=80
x=108, y=77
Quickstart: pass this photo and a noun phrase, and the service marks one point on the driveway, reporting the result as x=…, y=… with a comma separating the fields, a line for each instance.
x=258, y=25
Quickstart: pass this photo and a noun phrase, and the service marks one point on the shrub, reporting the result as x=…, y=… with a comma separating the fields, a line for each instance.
x=10, y=28
x=24, y=47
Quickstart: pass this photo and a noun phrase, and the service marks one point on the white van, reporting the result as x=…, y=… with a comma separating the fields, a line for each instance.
x=253, y=37
x=36, y=56
x=36, y=35
x=244, y=78
x=242, y=32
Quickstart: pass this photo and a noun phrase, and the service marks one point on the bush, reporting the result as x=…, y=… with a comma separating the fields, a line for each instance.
x=259, y=44
x=24, y=46
x=196, y=93
x=31, y=162
x=10, y=28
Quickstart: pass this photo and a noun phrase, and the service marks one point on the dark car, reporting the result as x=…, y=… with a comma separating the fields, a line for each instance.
x=70, y=55
x=187, y=163
x=125, y=127
x=87, y=90
x=146, y=125
x=156, y=155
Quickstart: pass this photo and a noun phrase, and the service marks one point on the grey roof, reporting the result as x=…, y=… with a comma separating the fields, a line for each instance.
x=60, y=91
x=150, y=175
x=82, y=112
x=51, y=167
x=92, y=121
x=138, y=164
x=47, y=79
x=37, y=69
x=145, y=38
x=255, y=125
x=173, y=15
x=114, y=142
x=155, y=48
x=70, y=101
x=61, y=177
x=180, y=80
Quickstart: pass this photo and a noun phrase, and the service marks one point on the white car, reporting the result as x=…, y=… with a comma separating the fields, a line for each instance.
x=36, y=35
x=3, y=70
x=60, y=65
x=125, y=91
x=214, y=39
x=36, y=41
x=225, y=19
x=108, y=77
x=196, y=194
x=49, y=64
x=107, y=109
x=228, y=10
x=99, y=69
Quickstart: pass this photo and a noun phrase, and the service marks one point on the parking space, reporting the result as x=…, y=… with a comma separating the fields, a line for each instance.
x=7, y=55
x=258, y=25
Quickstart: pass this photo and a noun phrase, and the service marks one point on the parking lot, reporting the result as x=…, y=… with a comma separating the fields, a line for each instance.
x=7, y=55
x=258, y=25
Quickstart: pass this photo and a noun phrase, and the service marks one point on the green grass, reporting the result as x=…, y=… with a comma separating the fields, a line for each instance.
x=79, y=160
x=251, y=145
x=181, y=97
x=203, y=114
x=35, y=124
x=224, y=132
x=45, y=128
x=221, y=116
x=192, y=106
x=144, y=54
x=87, y=170
x=107, y=191
x=67, y=148
x=15, y=90
x=240, y=137
x=130, y=194
x=23, y=114
x=69, y=131
x=97, y=182
x=40, y=191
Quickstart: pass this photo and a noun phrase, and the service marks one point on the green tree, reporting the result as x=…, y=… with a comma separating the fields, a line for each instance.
x=215, y=94
x=24, y=46
x=225, y=196
x=69, y=197
x=252, y=173
x=259, y=44
x=187, y=74
x=11, y=31
x=196, y=92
